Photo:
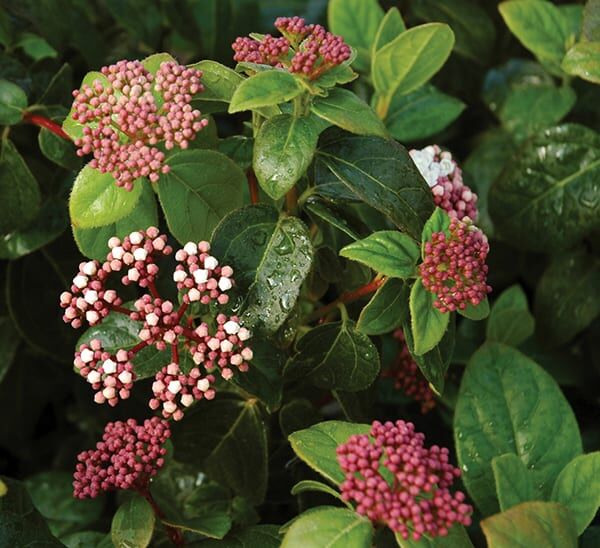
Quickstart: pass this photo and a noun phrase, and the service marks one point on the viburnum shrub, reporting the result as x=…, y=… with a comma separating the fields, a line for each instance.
x=334, y=284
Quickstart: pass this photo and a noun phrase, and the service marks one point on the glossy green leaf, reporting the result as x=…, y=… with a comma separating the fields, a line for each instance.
x=58, y=150
x=331, y=527
x=391, y=26
x=509, y=404
x=312, y=485
x=316, y=446
x=591, y=20
x=264, y=89
x=265, y=536
x=409, y=61
x=219, y=81
x=583, y=60
x=479, y=312
x=545, y=524
x=388, y=252
x=133, y=524
x=439, y=221
x=86, y=539
x=510, y=321
x=514, y=482
x=335, y=356
x=35, y=46
x=346, y=110
x=72, y=128
x=13, y=102
x=283, y=150
x=212, y=525
x=271, y=255
x=19, y=191
x=428, y=324
x=386, y=310
x=421, y=113
x=97, y=201
x=578, y=488
x=152, y=62
x=328, y=212
x=380, y=173
x=456, y=538
x=9, y=342
x=201, y=187
x=553, y=176
x=357, y=21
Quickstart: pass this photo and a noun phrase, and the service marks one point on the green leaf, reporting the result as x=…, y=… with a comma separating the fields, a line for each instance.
x=456, y=538
x=591, y=20
x=212, y=525
x=96, y=200
x=331, y=527
x=391, y=26
x=296, y=415
x=265, y=536
x=85, y=539
x=133, y=524
x=328, y=212
x=583, y=60
x=283, y=150
x=58, y=150
x=386, y=310
x=428, y=324
x=271, y=255
x=553, y=176
x=93, y=242
x=13, y=102
x=9, y=341
x=220, y=82
x=71, y=127
x=357, y=21
x=264, y=89
x=540, y=26
x=35, y=46
x=509, y=404
x=19, y=191
x=239, y=149
x=335, y=356
x=312, y=485
x=514, y=482
x=140, y=19
x=545, y=524
x=380, y=173
x=578, y=488
x=510, y=321
x=409, y=61
x=421, y=113
x=439, y=221
x=201, y=187
x=316, y=446
x=479, y=312
x=387, y=252
x=152, y=62
x=345, y=109
x=473, y=27
x=233, y=451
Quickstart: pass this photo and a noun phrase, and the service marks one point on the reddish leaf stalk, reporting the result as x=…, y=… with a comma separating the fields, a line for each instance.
x=42, y=121
x=252, y=186
x=153, y=291
x=174, y=534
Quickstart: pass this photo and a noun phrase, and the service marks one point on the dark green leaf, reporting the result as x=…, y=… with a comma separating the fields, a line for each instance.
x=13, y=102
x=264, y=89
x=479, y=312
x=583, y=60
x=271, y=255
x=545, y=524
x=283, y=150
x=456, y=538
x=380, y=173
x=201, y=187
x=296, y=415
x=35, y=46
x=58, y=150
x=263, y=536
x=514, y=482
x=133, y=524
x=553, y=176
x=312, y=485
x=239, y=149
x=139, y=18
x=386, y=310
x=509, y=404
x=510, y=321
x=334, y=216
x=215, y=525
x=391, y=26
x=85, y=539
x=9, y=341
x=428, y=324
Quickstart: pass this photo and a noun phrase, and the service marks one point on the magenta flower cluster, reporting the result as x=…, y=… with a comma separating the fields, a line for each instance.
x=123, y=121
x=126, y=458
x=408, y=377
x=395, y=480
x=216, y=345
x=309, y=50
x=454, y=266
x=444, y=177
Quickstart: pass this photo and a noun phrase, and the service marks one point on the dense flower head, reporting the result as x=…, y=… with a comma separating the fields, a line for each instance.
x=454, y=266
x=126, y=458
x=416, y=500
x=123, y=122
x=408, y=377
x=160, y=321
x=444, y=177
x=309, y=50
x=111, y=376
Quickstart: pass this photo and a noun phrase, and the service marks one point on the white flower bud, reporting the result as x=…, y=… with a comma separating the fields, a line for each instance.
x=118, y=252
x=94, y=377
x=191, y=248
x=133, y=274
x=87, y=355
x=109, y=367
x=179, y=276
x=231, y=327
x=152, y=319
x=109, y=393
x=140, y=254
x=236, y=359
x=244, y=334
x=136, y=238
x=247, y=354
x=174, y=387
x=211, y=263
x=80, y=281
x=170, y=407
x=158, y=387
x=203, y=385
x=226, y=346
x=213, y=343
x=200, y=275
x=187, y=400
x=113, y=242
x=90, y=268
x=224, y=284
x=91, y=296
x=125, y=377
x=92, y=317
x=194, y=294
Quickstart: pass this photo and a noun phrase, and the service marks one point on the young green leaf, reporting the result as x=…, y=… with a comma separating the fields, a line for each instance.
x=545, y=524
x=35, y=46
x=283, y=150
x=312, y=485
x=13, y=102
x=514, y=482
x=578, y=488
x=71, y=127
x=346, y=110
x=58, y=150
x=201, y=187
x=583, y=60
x=219, y=81
x=390, y=27
x=479, y=312
x=509, y=404
x=9, y=342
x=457, y=537
x=510, y=321
x=438, y=222
x=133, y=524
x=264, y=89
x=97, y=201
x=386, y=310
x=388, y=252
x=428, y=324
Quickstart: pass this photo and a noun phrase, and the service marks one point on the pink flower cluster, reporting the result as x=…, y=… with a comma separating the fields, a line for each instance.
x=444, y=177
x=309, y=50
x=408, y=377
x=123, y=121
x=217, y=343
x=111, y=376
x=417, y=501
x=454, y=266
x=126, y=458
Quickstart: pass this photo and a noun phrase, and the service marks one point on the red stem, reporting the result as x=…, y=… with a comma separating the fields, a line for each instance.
x=42, y=121
x=153, y=290
x=139, y=346
x=252, y=186
x=181, y=311
x=175, y=354
x=174, y=534
x=189, y=333
x=120, y=309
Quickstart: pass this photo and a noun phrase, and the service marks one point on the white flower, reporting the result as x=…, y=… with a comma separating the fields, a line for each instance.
x=109, y=367
x=80, y=281
x=231, y=327
x=136, y=238
x=225, y=284
x=200, y=275
x=190, y=248
x=210, y=263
